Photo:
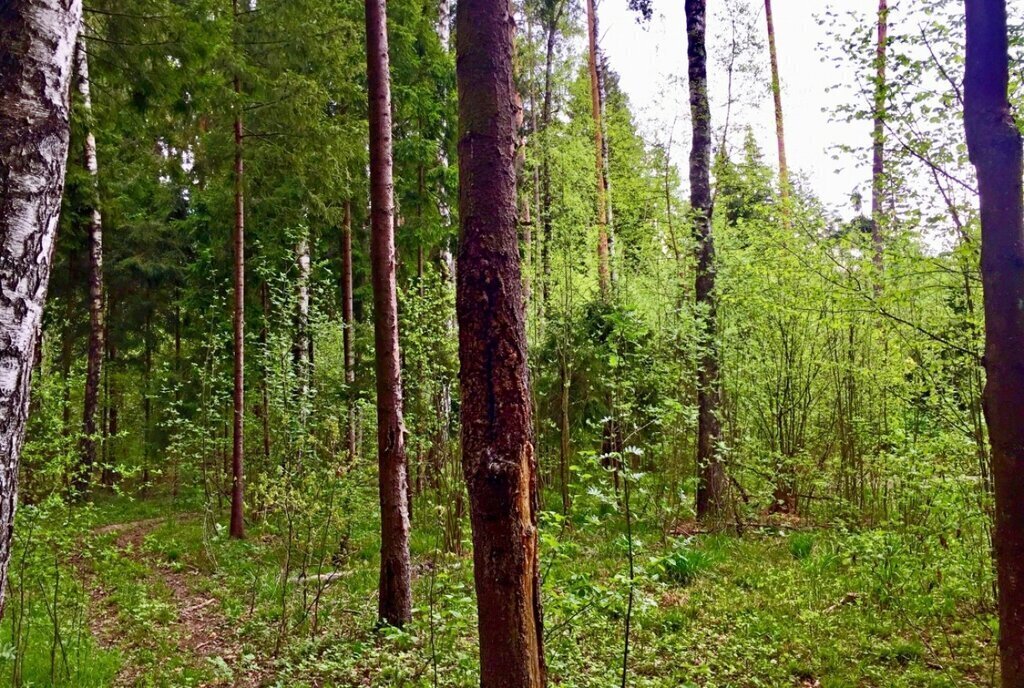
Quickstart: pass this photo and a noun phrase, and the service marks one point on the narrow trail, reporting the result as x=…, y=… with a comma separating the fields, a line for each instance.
x=199, y=633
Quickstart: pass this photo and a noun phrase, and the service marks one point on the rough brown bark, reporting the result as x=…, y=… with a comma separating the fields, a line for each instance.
x=711, y=484
x=37, y=42
x=94, y=365
x=237, y=529
x=780, y=129
x=347, y=324
x=497, y=435
x=994, y=144
x=603, y=272
x=395, y=604
x=878, y=141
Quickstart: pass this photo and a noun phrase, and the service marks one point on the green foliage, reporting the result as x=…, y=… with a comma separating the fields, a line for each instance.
x=683, y=564
x=855, y=550
x=801, y=545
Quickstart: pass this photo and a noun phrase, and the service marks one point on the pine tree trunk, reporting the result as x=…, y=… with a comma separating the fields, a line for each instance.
x=994, y=144
x=237, y=529
x=711, y=482
x=780, y=129
x=94, y=367
x=37, y=42
x=878, y=142
x=603, y=277
x=395, y=604
x=347, y=324
x=497, y=434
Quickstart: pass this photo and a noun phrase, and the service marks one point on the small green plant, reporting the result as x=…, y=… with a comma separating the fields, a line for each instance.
x=684, y=564
x=801, y=545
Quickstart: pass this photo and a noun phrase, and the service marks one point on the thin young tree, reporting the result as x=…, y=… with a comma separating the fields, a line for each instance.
x=780, y=129
x=995, y=149
x=878, y=139
x=395, y=603
x=94, y=365
x=711, y=482
x=497, y=431
x=302, y=341
x=597, y=107
x=237, y=529
x=348, y=324
x=551, y=15
x=37, y=44
x=785, y=488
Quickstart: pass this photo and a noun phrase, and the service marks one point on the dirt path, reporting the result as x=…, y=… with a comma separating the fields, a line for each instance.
x=199, y=632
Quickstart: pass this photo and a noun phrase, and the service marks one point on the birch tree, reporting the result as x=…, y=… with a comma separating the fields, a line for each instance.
x=37, y=43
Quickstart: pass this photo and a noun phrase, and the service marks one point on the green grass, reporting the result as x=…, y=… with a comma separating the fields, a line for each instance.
x=878, y=608
x=856, y=609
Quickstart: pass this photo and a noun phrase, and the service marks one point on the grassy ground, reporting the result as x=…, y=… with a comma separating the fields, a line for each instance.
x=173, y=602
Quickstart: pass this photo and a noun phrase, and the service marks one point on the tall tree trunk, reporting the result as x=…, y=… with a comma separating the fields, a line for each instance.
x=994, y=144
x=497, y=434
x=552, y=15
x=603, y=278
x=711, y=484
x=94, y=367
x=780, y=129
x=37, y=42
x=237, y=529
x=395, y=604
x=532, y=205
x=785, y=484
x=606, y=166
x=347, y=324
x=878, y=142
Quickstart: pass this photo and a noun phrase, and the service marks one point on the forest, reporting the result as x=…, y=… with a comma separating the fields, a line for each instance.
x=389, y=344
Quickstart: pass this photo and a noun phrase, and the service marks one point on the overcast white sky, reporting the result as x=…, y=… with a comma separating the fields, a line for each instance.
x=651, y=63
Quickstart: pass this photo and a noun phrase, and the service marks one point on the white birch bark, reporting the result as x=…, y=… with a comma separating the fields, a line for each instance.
x=37, y=42
x=95, y=360
x=301, y=351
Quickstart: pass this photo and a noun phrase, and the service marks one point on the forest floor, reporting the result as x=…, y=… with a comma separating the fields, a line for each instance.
x=193, y=633
x=172, y=603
